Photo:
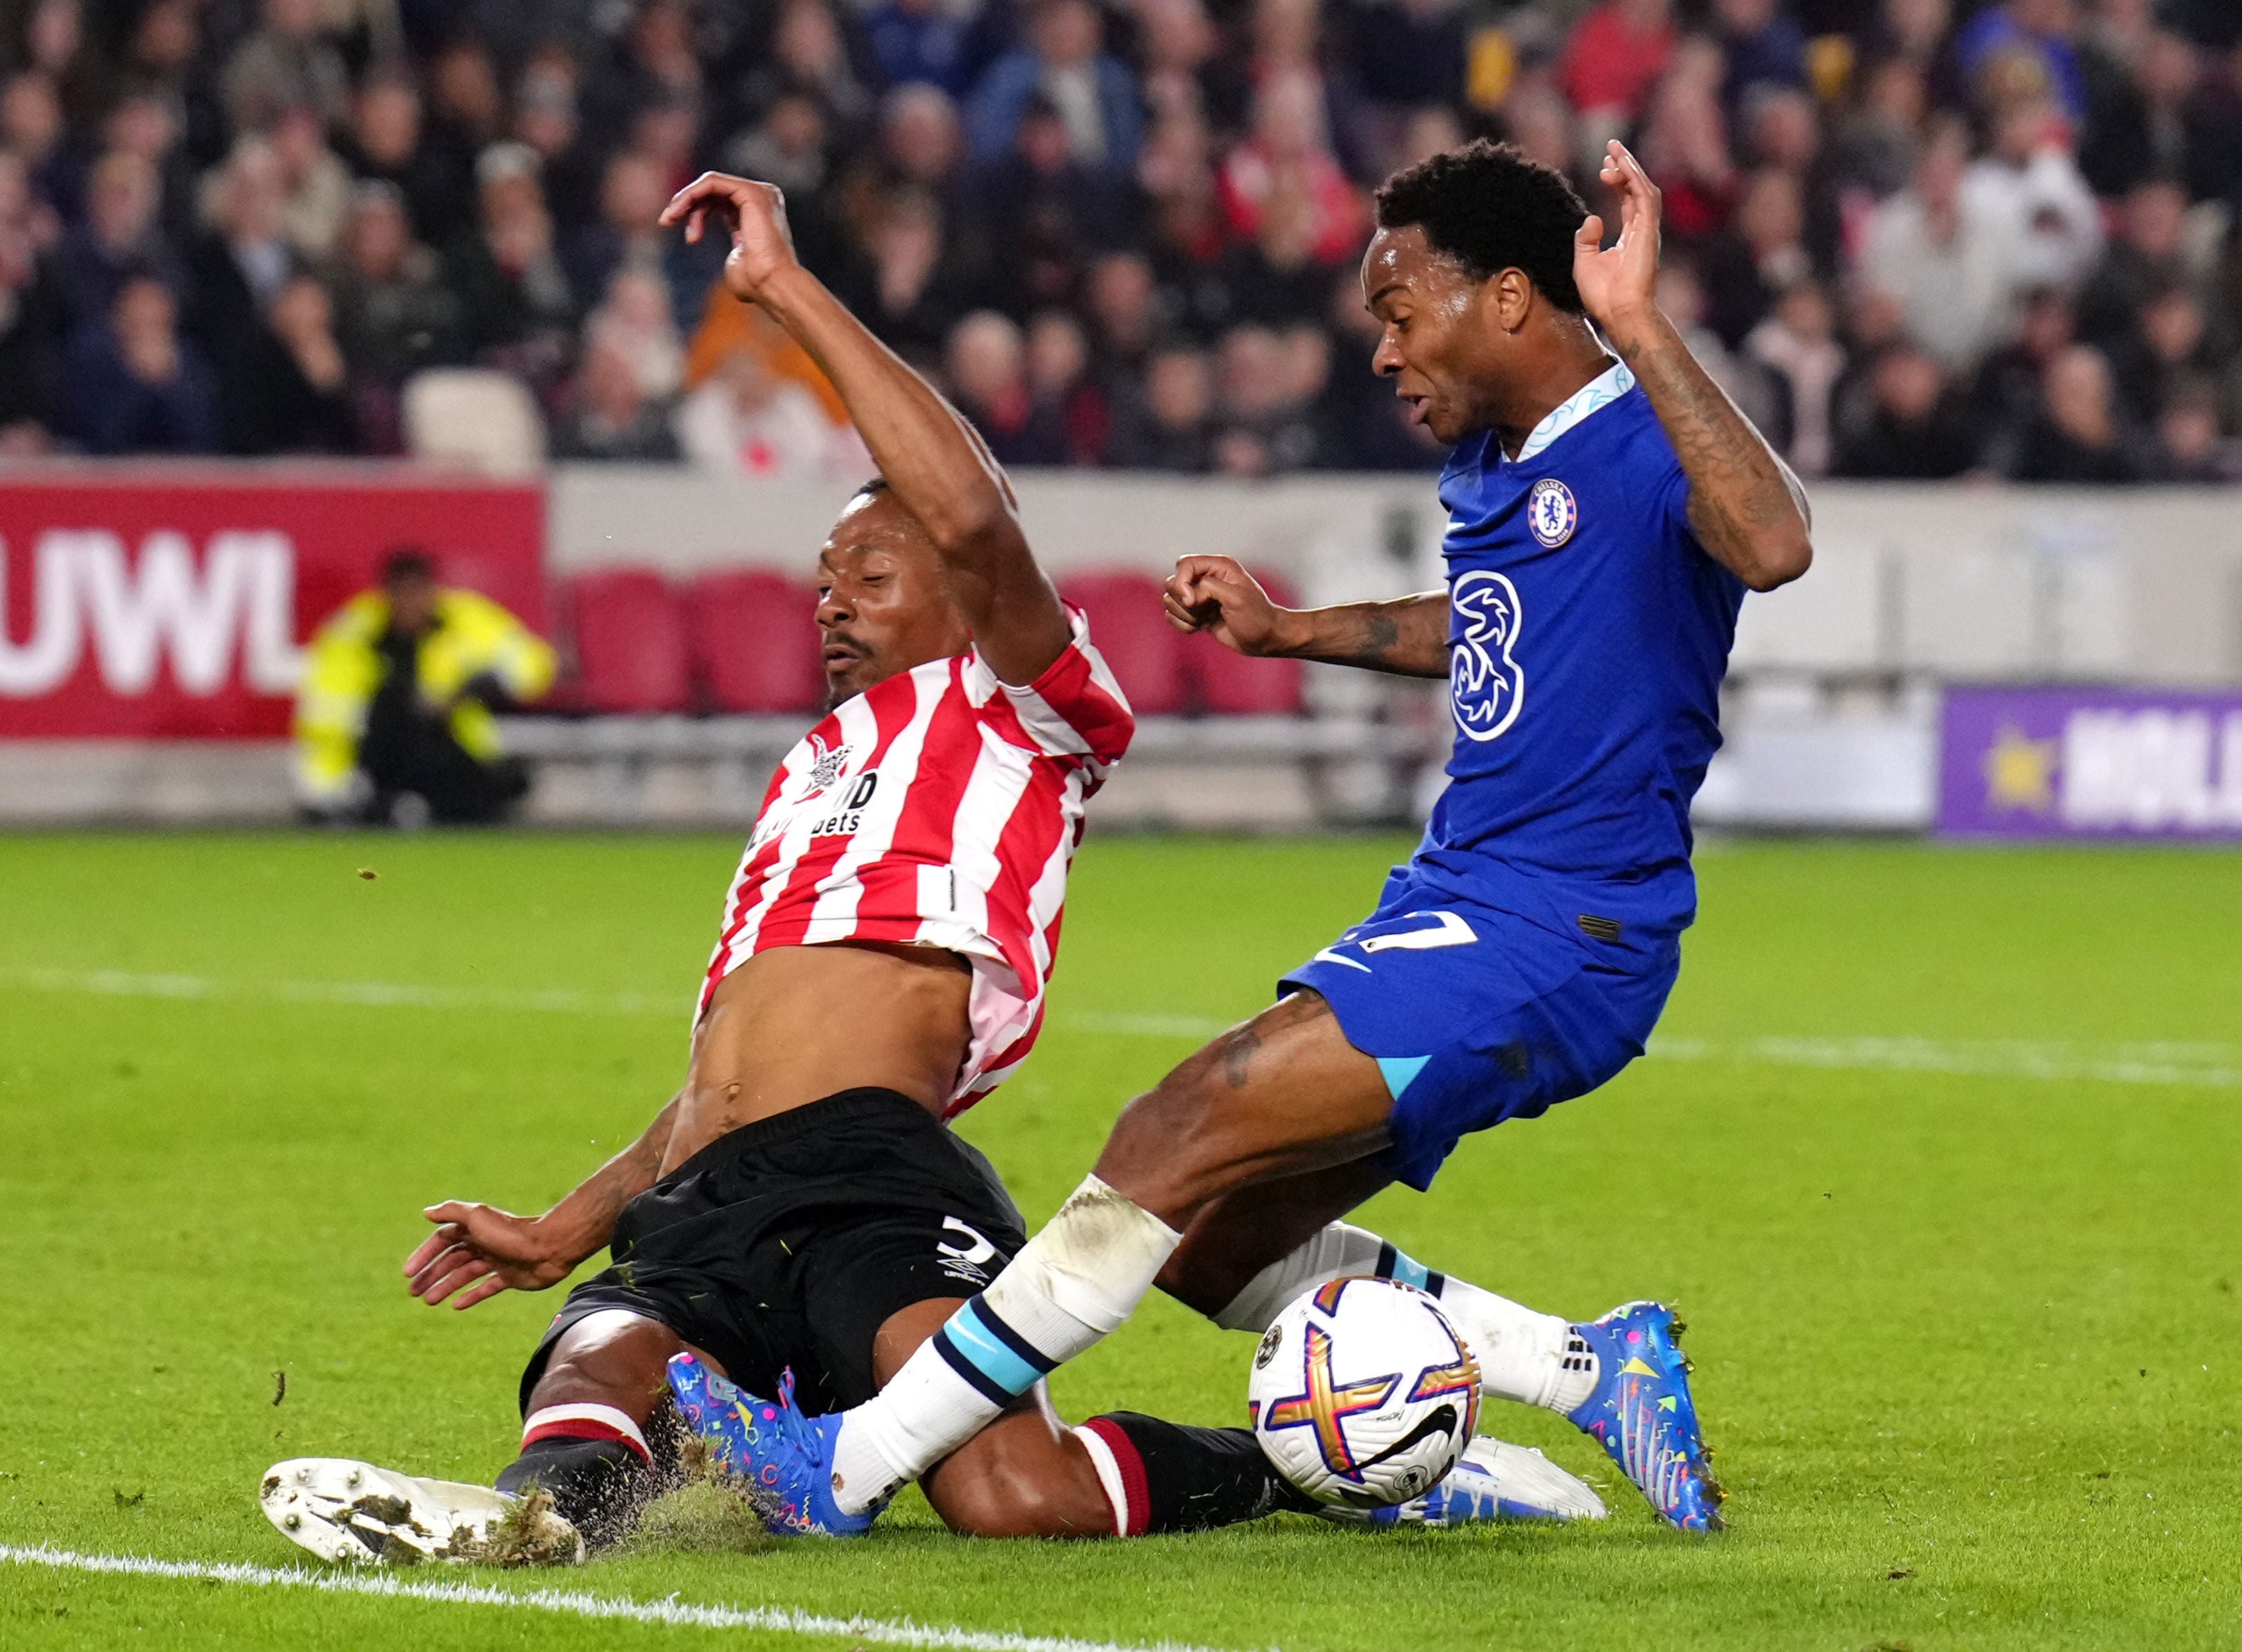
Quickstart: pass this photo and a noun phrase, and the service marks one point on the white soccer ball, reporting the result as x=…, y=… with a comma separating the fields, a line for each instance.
x=1363, y=1394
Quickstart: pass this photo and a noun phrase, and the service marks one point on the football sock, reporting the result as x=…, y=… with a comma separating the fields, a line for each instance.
x=1166, y=1477
x=1071, y=1285
x=1536, y=1359
x=592, y=1460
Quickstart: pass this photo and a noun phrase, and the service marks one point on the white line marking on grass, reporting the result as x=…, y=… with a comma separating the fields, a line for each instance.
x=670, y=1612
x=380, y=994
x=2209, y=1065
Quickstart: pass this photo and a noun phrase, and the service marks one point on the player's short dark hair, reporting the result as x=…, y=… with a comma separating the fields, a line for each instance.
x=1490, y=207
x=407, y=563
x=878, y=485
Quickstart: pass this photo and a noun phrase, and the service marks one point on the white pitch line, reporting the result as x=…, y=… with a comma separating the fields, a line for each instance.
x=2208, y=1065
x=670, y=1612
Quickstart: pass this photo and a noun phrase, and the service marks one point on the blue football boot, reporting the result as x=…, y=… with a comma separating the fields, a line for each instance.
x=778, y=1458
x=1642, y=1414
x=1491, y=1481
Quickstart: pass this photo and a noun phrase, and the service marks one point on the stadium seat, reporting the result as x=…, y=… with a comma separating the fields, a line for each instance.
x=753, y=642
x=1230, y=685
x=1146, y=652
x=629, y=633
x=479, y=420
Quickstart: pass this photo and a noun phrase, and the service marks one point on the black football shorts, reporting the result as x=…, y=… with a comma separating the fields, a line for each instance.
x=789, y=1242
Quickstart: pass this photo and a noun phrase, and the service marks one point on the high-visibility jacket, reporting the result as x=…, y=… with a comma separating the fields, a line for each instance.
x=472, y=637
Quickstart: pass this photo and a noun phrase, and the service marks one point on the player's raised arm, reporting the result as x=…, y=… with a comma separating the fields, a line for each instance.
x=1407, y=636
x=1747, y=508
x=936, y=464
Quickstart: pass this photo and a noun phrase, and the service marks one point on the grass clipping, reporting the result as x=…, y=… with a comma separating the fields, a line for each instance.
x=704, y=1511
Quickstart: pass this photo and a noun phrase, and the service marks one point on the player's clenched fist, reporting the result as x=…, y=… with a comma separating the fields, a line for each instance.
x=1215, y=594
x=754, y=214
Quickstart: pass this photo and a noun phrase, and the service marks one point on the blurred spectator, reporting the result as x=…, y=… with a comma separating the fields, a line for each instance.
x=634, y=190
x=1274, y=278
x=1121, y=300
x=1945, y=255
x=1065, y=396
x=384, y=143
x=1408, y=55
x=394, y=314
x=119, y=239
x=1684, y=144
x=545, y=118
x=913, y=300
x=809, y=57
x=239, y=268
x=919, y=42
x=2079, y=434
x=2006, y=393
x=923, y=140
x=2164, y=119
x=1763, y=44
x=988, y=381
x=1874, y=144
x=609, y=414
x=1288, y=158
x=1064, y=64
x=2191, y=437
x=1265, y=411
x=31, y=128
x=1798, y=344
x=635, y=321
x=512, y=293
x=131, y=385
x=1038, y=215
x=1176, y=57
x=1911, y=428
x=145, y=124
x=1682, y=296
x=1762, y=255
x=2029, y=179
x=1171, y=429
x=316, y=185
x=1613, y=56
x=2169, y=343
x=284, y=62
x=786, y=147
x=28, y=323
x=2040, y=29
x=746, y=420
x=287, y=389
x=2149, y=256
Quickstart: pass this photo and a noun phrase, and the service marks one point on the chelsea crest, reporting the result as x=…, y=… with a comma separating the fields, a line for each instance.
x=1551, y=512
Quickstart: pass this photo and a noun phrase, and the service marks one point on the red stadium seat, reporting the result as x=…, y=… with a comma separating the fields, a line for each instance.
x=755, y=641
x=1230, y=685
x=630, y=641
x=1130, y=629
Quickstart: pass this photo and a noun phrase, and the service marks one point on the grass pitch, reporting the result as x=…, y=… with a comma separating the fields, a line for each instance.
x=1938, y=1151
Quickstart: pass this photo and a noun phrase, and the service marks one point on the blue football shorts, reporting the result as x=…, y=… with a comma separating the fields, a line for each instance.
x=1476, y=1015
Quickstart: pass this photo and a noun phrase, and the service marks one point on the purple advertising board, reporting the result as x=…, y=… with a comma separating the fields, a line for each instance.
x=2090, y=762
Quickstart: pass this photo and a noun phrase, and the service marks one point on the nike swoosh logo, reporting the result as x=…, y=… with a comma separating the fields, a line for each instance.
x=1329, y=957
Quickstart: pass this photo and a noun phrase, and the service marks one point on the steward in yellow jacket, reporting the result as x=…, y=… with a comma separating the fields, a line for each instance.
x=393, y=720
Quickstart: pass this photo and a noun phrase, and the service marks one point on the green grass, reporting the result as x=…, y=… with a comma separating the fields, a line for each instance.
x=1969, y=1344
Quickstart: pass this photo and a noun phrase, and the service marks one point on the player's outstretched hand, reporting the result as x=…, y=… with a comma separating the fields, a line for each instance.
x=478, y=1251
x=1617, y=283
x=753, y=214
x=1215, y=594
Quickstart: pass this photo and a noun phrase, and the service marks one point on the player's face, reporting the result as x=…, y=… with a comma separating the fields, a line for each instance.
x=883, y=602
x=1439, y=341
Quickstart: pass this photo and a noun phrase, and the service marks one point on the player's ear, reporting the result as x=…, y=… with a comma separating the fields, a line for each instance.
x=1510, y=298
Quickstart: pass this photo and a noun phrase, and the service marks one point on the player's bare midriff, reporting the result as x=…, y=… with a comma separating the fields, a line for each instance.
x=799, y=1022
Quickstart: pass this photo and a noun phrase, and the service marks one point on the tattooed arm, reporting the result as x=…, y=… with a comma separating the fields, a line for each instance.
x=1746, y=506
x=1407, y=636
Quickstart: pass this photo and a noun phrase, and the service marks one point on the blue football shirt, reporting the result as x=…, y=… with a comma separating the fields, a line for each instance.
x=1588, y=636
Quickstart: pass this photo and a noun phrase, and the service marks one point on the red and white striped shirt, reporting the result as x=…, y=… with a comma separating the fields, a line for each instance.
x=940, y=807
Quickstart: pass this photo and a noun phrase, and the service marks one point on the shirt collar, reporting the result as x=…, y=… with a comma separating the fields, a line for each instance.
x=1599, y=392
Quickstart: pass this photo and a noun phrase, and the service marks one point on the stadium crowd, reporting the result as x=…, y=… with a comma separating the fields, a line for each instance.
x=1914, y=238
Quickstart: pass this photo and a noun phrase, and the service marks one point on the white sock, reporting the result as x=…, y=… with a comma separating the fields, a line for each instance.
x=1071, y=1285
x=1535, y=1358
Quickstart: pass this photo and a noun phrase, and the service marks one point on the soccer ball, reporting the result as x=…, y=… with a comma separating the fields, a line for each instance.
x=1363, y=1394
